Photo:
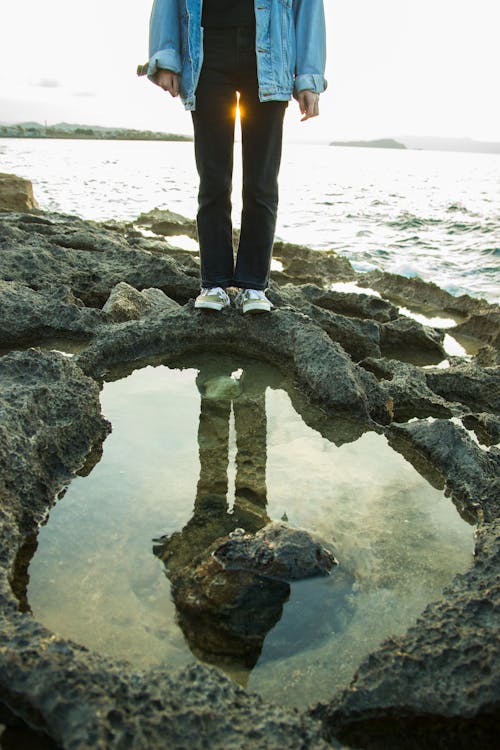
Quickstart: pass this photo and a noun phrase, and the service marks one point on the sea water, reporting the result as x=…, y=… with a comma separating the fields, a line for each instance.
x=430, y=214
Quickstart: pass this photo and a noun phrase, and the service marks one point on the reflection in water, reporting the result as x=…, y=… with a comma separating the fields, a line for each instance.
x=228, y=629
x=93, y=577
x=212, y=517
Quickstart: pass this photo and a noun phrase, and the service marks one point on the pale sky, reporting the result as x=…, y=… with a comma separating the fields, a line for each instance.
x=395, y=67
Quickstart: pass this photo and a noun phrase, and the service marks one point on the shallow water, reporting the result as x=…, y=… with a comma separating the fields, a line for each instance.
x=95, y=578
x=430, y=214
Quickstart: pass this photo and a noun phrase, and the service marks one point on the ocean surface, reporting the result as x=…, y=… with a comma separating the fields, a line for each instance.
x=418, y=213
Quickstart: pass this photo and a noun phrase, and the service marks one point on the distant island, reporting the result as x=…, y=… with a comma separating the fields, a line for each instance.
x=427, y=143
x=85, y=132
x=378, y=143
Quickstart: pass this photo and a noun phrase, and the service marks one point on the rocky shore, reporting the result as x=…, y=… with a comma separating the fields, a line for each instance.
x=120, y=294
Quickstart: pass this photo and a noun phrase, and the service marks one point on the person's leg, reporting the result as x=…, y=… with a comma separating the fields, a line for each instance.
x=262, y=128
x=213, y=122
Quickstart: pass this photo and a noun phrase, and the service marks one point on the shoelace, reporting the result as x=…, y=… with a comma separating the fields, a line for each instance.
x=254, y=294
x=215, y=290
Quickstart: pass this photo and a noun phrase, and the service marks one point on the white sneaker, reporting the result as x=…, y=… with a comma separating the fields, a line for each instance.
x=213, y=298
x=253, y=301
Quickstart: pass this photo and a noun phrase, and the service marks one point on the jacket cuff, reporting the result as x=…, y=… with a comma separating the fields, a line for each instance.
x=311, y=82
x=165, y=59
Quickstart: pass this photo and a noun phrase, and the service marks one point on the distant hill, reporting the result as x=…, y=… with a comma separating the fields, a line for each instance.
x=427, y=143
x=433, y=143
x=85, y=132
x=379, y=143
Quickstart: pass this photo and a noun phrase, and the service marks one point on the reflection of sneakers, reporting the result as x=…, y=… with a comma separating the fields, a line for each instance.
x=253, y=301
x=214, y=298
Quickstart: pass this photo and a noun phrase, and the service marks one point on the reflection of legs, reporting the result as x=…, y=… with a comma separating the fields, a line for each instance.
x=250, y=486
x=210, y=519
x=213, y=442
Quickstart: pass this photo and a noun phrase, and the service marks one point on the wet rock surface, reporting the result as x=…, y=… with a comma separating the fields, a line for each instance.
x=357, y=357
x=230, y=597
x=276, y=551
x=439, y=685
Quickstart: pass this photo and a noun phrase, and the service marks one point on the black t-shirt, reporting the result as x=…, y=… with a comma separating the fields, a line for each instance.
x=223, y=13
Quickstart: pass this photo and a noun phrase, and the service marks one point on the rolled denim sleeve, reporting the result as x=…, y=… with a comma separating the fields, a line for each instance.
x=310, y=34
x=164, y=37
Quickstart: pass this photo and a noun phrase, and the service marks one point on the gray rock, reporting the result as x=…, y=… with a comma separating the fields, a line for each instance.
x=49, y=420
x=27, y=315
x=410, y=341
x=301, y=265
x=486, y=426
x=421, y=295
x=476, y=387
x=158, y=301
x=276, y=551
x=439, y=685
x=44, y=252
x=406, y=388
x=16, y=193
x=230, y=596
x=484, y=326
x=285, y=338
x=472, y=474
x=161, y=221
x=126, y=303
x=365, y=306
x=359, y=338
x=487, y=357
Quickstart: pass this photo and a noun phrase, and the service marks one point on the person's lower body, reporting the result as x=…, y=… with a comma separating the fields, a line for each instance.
x=229, y=67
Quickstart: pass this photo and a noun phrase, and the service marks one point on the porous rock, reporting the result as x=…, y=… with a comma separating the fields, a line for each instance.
x=50, y=418
x=421, y=295
x=127, y=303
x=476, y=387
x=29, y=315
x=285, y=338
x=486, y=426
x=484, y=326
x=438, y=685
x=429, y=688
x=276, y=551
x=301, y=265
x=162, y=221
x=406, y=386
x=50, y=250
x=472, y=474
x=16, y=193
x=229, y=597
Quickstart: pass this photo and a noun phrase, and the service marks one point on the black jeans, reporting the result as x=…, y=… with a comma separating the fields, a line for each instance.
x=229, y=66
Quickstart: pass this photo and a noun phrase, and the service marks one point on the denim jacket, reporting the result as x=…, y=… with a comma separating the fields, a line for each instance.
x=290, y=46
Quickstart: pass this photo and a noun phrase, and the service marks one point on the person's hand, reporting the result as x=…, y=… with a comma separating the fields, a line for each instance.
x=308, y=103
x=168, y=81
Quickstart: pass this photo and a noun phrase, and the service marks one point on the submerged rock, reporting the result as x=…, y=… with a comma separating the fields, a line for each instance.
x=232, y=595
x=276, y=551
